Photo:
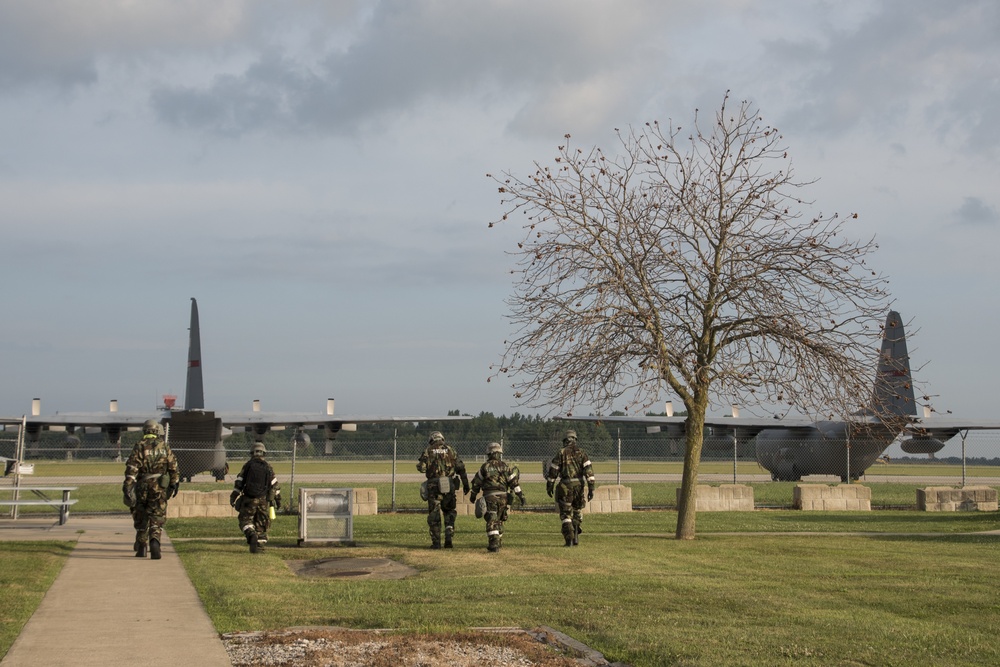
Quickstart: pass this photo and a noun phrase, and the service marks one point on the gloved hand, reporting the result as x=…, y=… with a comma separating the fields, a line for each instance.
x=520, y=497
x=590, y=493
x=465, y=487
x=233, y=497
x=549, y=487
x=277, y=502
x=472, y=498
x=173, y=489
x=128, y=494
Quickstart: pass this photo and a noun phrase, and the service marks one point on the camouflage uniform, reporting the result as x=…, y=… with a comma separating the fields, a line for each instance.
x=499, y=483
x=571, y=468
x=151, y=478
x=255, y=490
x=441, y=464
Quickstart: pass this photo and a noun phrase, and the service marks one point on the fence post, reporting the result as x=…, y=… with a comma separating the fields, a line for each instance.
x=735, y=453
x=848, y=439
x=619, y=482
x=291, y=483
x=964, y=433
x=393, y=504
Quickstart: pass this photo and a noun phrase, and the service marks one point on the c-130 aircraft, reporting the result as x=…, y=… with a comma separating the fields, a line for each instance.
x=792, y=447
x=195, y=434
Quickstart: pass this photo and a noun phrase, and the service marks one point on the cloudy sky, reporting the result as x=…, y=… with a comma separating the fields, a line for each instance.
x=314, y=173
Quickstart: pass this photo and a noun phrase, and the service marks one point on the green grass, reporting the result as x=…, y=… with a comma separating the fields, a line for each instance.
x=635, y=594
x=27, y=571
x=907, y=588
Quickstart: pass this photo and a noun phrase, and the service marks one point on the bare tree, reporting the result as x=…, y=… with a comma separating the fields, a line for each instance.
x=686, y=265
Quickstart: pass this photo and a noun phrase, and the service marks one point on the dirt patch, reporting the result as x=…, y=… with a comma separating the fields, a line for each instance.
x=351, y=568
x=340, y=647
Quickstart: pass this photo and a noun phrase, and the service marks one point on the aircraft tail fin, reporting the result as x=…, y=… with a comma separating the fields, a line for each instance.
x=194, y=392
x=893, y=393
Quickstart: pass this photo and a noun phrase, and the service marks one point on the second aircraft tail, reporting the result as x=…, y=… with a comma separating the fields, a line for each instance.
x=893, y=392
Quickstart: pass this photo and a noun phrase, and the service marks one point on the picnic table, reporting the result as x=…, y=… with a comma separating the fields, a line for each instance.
x=41, y=498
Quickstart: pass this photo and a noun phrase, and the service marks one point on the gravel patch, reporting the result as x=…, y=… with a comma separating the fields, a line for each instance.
x=341, y=647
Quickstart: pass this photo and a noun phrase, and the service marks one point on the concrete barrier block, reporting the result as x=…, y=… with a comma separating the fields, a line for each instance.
x=808, y=492
x=722, y=498
x=839, y=497
x=365, y=502
x=951, y=499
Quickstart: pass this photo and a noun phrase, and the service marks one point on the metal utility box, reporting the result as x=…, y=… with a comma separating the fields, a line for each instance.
x=326, y=515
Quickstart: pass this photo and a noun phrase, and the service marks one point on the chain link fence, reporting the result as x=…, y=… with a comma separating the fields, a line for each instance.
x=389, y=464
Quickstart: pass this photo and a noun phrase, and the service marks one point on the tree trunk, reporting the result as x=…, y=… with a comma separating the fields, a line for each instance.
x=695, y=426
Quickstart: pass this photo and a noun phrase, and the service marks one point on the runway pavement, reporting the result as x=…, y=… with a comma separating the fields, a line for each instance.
x=108, y=607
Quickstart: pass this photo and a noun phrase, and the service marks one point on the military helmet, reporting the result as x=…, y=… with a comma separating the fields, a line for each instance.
x=435, y=436
x=569, y=437
x=258, y=449
x=152, y=427
x=494, y=448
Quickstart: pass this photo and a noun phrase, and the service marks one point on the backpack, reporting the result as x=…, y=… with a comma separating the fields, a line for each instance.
x=255, y=479
x=572, y=463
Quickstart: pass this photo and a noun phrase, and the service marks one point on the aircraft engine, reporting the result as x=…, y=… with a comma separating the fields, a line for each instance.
x=301, y=439
x=72, y=441
x=330, y=431
x=921, y=444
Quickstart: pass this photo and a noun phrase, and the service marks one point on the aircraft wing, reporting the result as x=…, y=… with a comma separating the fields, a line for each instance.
x=747, y=426
x=66, y=420
x=316, y=419
x=70, y=421
x=943, y=428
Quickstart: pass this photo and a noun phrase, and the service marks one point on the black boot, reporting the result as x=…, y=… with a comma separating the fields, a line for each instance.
x=448, y=532
x=252, y=540
x=141, y=551
x=136, y=545
x=154, y=549
x=494, y=544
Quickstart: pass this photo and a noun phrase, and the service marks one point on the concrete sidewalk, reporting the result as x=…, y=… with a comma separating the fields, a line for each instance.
x=108, y=607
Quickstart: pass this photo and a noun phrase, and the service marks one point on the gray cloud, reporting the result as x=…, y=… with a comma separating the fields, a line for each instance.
x=904, y=62
x=974, y=211
x=63, y=42
x=553, y=58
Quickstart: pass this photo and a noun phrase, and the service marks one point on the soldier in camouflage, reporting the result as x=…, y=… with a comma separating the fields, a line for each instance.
x=444, y=470
x=499, y=483
x=255, y=491
x=567, y=472
x=151, y=478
